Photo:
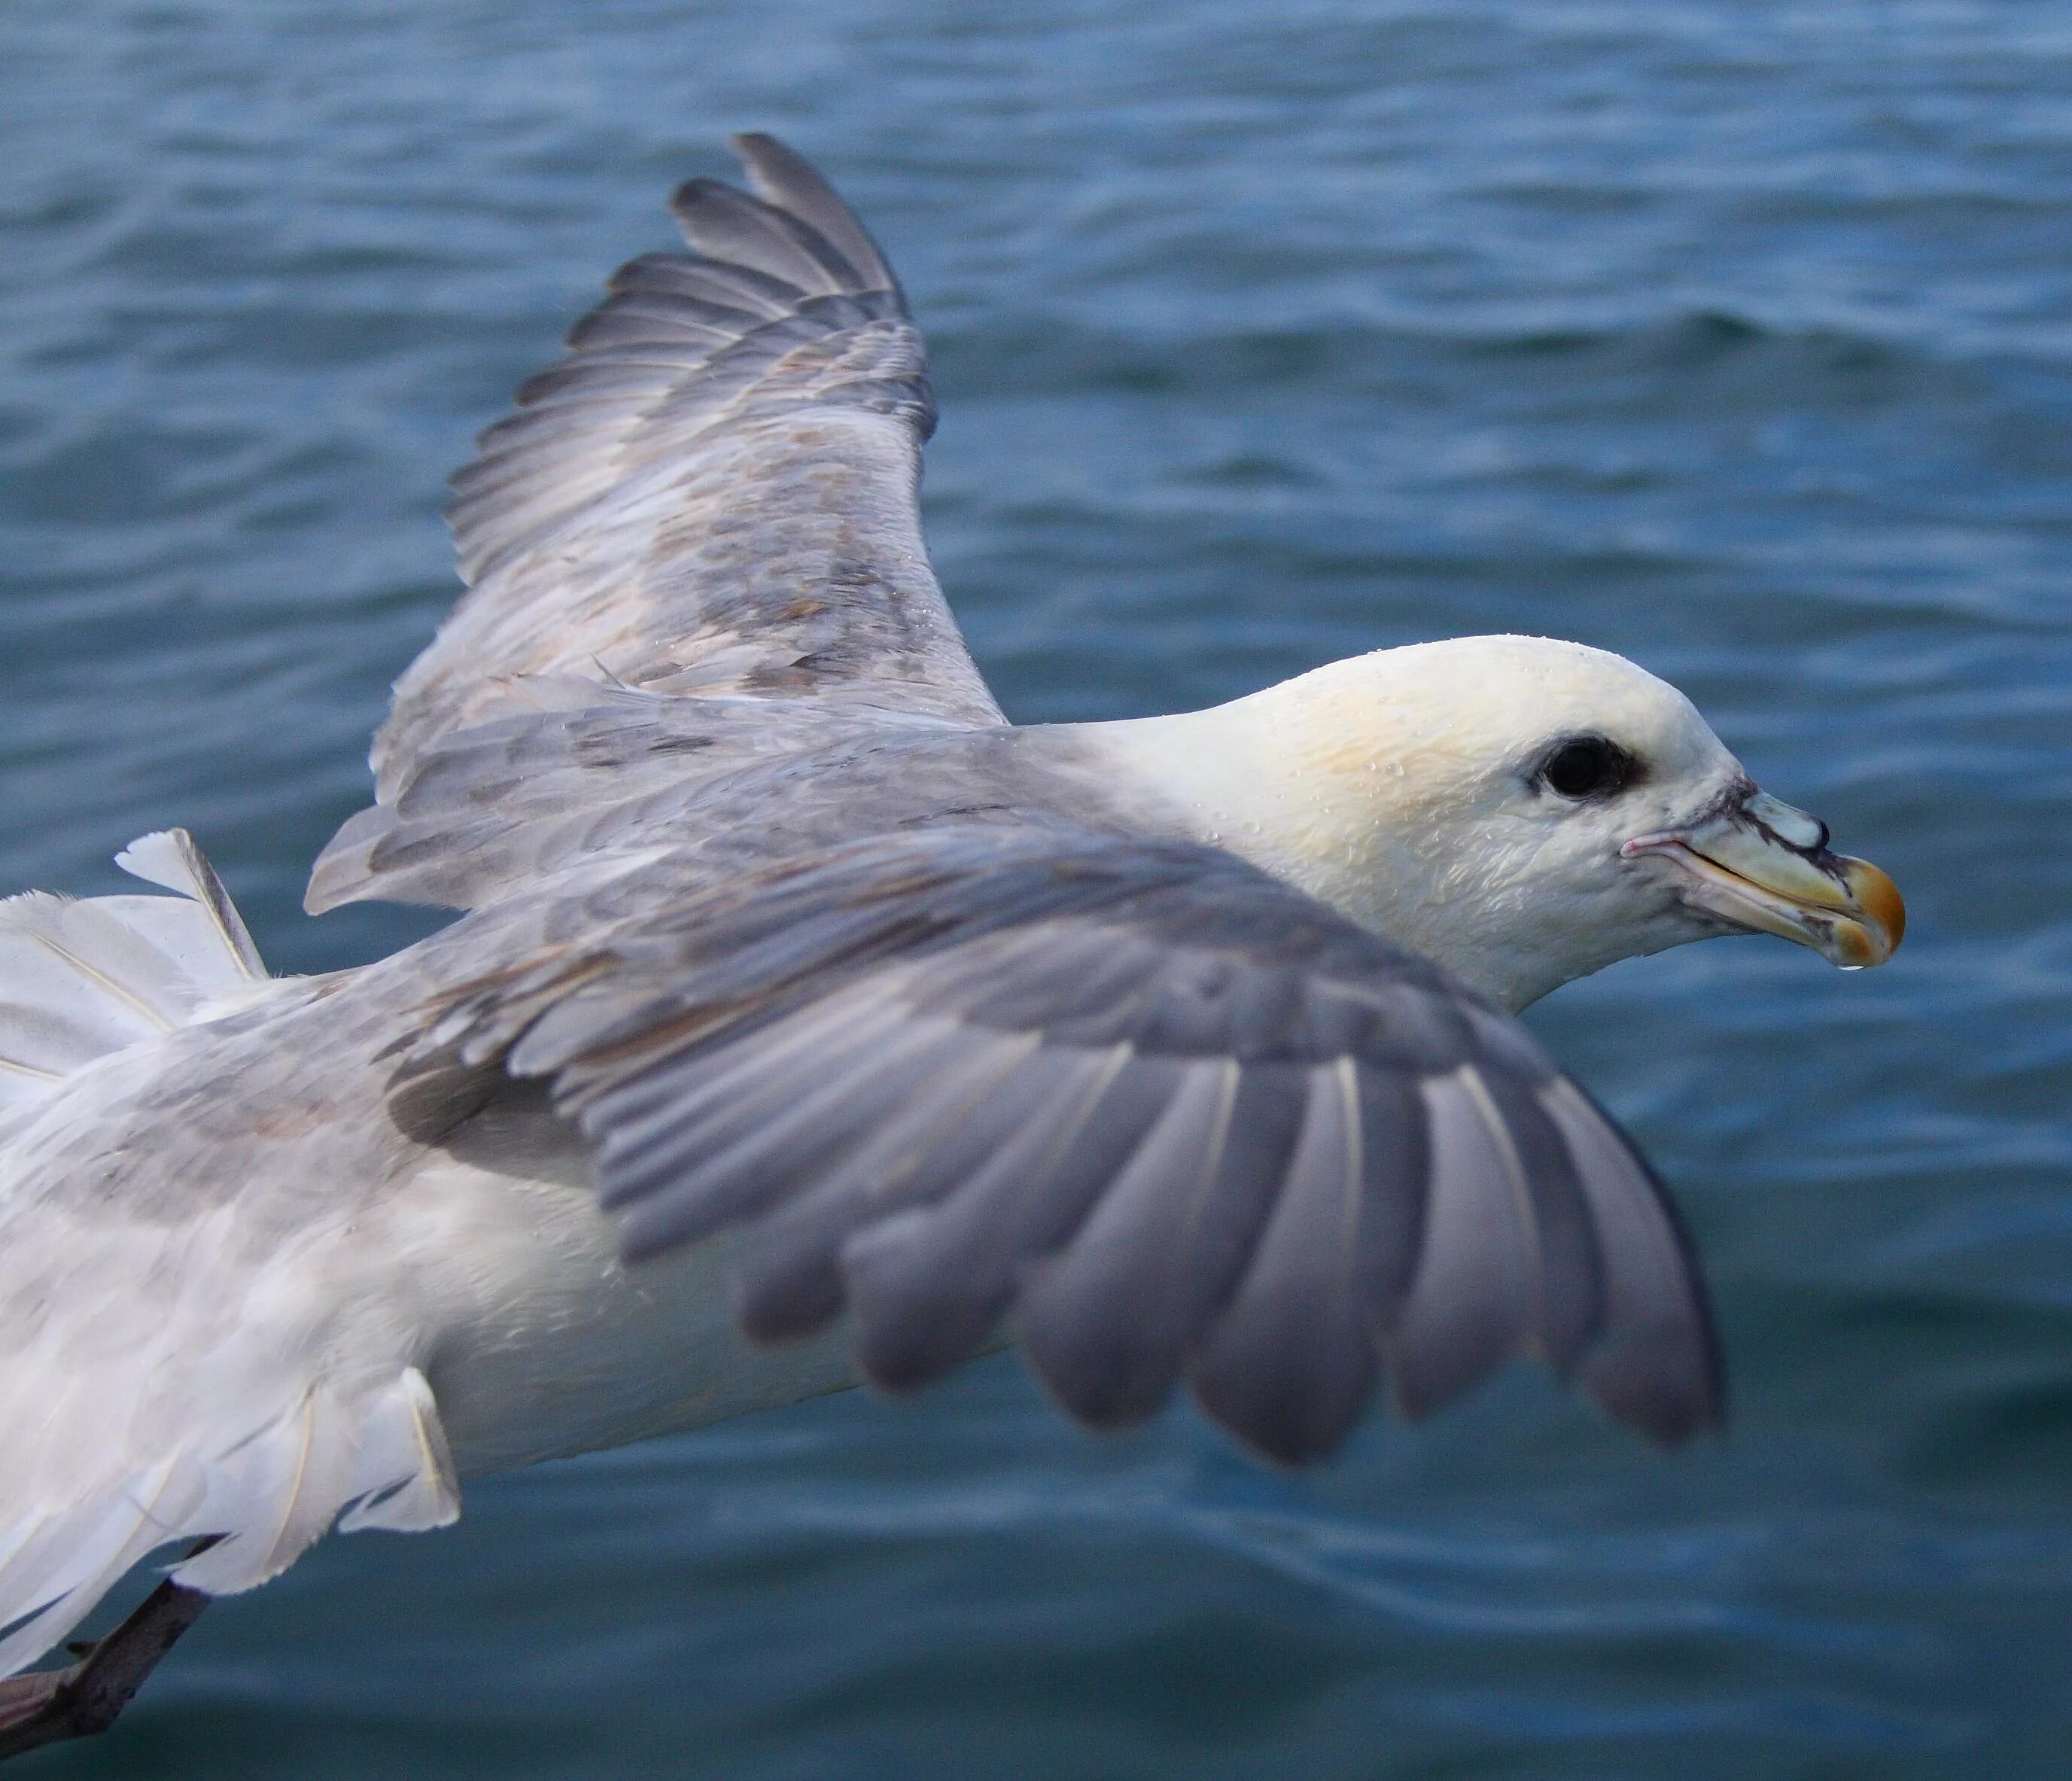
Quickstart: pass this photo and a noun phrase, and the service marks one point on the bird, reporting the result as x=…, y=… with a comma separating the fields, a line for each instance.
x=805, y=1022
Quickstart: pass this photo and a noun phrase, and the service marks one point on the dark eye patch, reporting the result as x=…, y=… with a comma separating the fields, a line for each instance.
x=1589, y=766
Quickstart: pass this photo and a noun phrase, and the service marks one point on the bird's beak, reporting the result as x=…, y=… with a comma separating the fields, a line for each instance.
x=1759, y=864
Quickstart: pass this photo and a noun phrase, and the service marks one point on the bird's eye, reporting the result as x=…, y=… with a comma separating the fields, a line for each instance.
x=1589, y=766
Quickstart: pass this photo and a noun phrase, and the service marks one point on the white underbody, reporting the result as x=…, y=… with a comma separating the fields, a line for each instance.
x=537, y=1341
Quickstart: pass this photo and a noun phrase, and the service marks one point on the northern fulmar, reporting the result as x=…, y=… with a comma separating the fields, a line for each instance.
x=808, y=1022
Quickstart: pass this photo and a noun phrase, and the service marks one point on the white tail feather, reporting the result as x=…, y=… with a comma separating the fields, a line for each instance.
x=406, y=1481
x=170, y=859
x=380, y=1462
x=75, y=1556
x=79, y=979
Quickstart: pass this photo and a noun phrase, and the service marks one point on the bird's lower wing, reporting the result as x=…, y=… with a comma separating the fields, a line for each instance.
x=1169, y=1116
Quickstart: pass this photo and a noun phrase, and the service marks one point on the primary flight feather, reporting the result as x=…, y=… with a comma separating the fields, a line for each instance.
x=807, y=1021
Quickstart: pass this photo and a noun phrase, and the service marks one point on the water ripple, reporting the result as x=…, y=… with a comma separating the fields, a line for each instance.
x=1736, y=339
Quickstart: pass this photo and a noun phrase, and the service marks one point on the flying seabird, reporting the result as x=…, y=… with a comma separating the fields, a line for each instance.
x=808, y=1022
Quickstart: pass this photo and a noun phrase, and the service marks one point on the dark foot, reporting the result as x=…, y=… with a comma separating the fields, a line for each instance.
x=48, y=1706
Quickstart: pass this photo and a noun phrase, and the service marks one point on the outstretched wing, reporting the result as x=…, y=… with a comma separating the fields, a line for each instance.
x=1170, y=1116
x=714, y=492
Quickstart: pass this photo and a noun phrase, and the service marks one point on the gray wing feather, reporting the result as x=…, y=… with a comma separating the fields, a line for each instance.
x=1294, y=1354
x=782, y=178
x=714, y=493
x=1473, y=1298
x=1109, y=1320
x=1167, y=1115
x=930, y=1284
x=1651, y=1363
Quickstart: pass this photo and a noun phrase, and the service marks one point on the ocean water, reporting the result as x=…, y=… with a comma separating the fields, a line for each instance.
x=1734, y=337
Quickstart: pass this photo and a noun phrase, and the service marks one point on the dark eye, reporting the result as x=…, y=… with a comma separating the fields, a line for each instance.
x=1589, y=766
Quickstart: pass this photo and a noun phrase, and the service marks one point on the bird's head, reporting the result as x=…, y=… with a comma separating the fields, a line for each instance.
x=1523, y=812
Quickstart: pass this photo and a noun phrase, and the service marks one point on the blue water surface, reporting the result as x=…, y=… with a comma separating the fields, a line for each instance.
x=1735, y=337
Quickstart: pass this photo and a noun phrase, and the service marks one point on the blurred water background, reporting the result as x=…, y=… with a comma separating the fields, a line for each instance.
x=1734, y=337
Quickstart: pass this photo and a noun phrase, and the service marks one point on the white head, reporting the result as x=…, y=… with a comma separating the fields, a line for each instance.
x=1524, y=812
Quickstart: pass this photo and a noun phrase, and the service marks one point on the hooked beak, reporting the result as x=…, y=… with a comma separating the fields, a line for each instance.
x=1759, y=864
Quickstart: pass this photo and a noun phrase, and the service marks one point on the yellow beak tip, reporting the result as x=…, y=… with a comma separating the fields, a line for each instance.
x=1879, y=898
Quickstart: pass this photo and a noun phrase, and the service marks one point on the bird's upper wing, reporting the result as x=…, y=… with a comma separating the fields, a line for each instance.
x=1170, y=1115
x=715, y=492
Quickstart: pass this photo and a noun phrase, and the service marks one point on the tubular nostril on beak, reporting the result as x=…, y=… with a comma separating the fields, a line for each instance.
x=1794, y=827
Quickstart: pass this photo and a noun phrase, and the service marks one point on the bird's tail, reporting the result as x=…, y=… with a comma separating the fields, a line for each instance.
x=137, y=1409
x=78, y=980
